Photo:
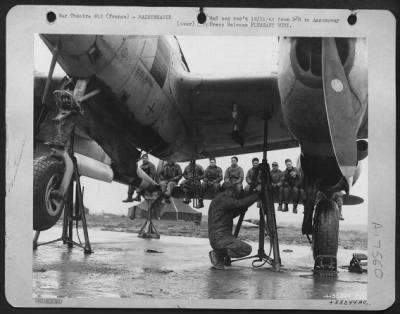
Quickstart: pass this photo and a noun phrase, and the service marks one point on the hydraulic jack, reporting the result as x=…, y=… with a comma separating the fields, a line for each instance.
x=267, y=215
x=148, y=230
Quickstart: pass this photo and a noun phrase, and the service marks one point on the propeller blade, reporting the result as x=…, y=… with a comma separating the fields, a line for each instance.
x=339, y=109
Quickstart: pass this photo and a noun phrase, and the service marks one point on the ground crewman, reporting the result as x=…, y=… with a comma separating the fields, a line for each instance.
x=291, y=180
x=212, y=178
x=170, y=175
x=223, y=209
x=253, y=177
x=193, y=174
x=235, y=175
x=149, y=168
x=276, y=180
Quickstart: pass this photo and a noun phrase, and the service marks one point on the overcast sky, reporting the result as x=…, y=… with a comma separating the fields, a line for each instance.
x=216, y=55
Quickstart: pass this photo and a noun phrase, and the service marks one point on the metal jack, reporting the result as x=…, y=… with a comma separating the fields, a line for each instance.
x=148, y=230
x=267, y=216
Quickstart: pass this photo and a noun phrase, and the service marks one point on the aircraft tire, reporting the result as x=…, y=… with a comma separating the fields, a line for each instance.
x=48, y=173
x=326, y=228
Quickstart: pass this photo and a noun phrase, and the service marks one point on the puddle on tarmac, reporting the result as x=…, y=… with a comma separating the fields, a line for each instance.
x=123, y=267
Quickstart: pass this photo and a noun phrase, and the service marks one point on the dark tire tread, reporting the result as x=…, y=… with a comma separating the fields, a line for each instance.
x=326, y=228
x=43, y=169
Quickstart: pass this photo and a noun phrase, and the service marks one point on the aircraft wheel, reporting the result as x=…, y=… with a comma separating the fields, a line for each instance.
x=326, y=228
x=48, y=173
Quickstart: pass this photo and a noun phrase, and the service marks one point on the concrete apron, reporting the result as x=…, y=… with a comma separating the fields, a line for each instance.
x=125, y=266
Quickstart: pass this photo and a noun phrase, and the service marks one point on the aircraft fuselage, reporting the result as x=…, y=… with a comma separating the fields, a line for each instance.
x=145, y=107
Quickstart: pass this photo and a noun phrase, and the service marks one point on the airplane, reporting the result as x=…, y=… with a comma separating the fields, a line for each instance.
x=136, y=93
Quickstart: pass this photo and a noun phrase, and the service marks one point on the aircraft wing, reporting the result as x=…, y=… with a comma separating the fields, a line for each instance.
x=214, y=103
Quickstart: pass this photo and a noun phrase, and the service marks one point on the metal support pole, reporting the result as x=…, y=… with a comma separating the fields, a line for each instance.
x=68, y=201
x=80, y=209
x=69, y=208
x=194, y=187
x=267, y=209
x=50, y=74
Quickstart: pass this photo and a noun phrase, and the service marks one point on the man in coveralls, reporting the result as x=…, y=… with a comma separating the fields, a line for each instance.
x=190, y=184
x=250, y=176
x=235, y=175
x=223, y=209
x=170, y=175
x=276, y=180
x=149, y=168
x=291, y=180
x=212, y=177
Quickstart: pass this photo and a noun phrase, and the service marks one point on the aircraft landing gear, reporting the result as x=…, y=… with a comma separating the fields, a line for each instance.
x=71, y=213
x=325, y=236
x=267, y=216
x=57, y=173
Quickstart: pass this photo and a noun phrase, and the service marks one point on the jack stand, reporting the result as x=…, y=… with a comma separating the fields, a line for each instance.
x=267, y=215
x=148, y=230
x=71, y=214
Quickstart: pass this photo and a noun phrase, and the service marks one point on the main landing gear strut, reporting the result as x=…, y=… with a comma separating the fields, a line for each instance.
x=61, y=191
x=267, y=216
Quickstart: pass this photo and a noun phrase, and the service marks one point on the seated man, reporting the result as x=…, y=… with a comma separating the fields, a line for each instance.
x=291, y=180
x=235, y=175
x=223, y=209
x=212, y=178
x=149, y=168
x=169, y=176
x=251, y=179
x=193, y=174
x=276, y=181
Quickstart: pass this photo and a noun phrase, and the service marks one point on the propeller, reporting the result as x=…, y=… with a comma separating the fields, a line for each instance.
x=340, y=110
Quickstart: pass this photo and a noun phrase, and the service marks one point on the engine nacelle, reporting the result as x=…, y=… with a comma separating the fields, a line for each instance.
x=94, y=169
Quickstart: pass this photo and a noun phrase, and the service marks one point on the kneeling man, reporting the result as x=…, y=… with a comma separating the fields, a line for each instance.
x=223, y=209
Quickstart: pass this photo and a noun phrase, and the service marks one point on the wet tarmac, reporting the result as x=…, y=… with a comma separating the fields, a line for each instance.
x=125, y=266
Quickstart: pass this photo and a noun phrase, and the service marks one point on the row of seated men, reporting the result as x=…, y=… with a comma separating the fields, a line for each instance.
x=285, y=184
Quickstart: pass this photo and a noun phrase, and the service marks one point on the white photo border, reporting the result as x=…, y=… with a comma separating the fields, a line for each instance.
x=381, y=40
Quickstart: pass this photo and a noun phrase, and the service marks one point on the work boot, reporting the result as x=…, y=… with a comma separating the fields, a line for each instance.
x=295, y=209
x=216, y=260
x=279, y=208
x=137, y=198
x=227, y=261
x=129, y=199
x=285, y=208
x=186, y=200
